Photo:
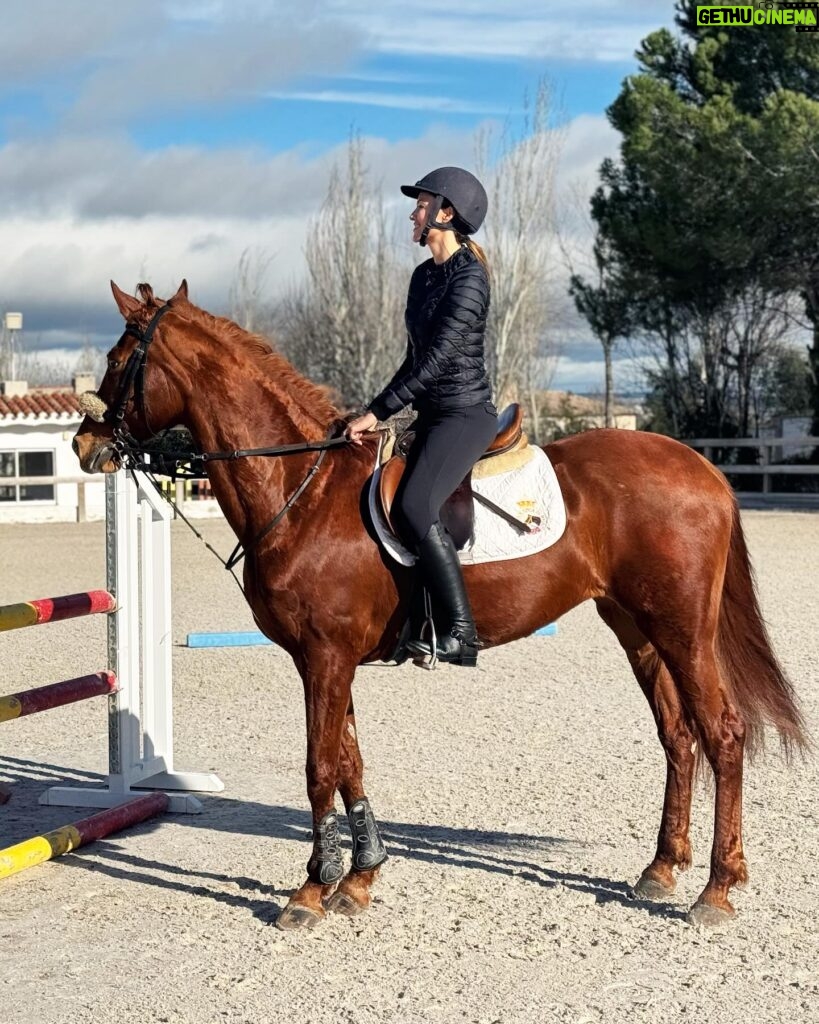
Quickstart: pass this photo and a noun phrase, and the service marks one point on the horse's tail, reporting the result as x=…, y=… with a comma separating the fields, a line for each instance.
x=761, y=690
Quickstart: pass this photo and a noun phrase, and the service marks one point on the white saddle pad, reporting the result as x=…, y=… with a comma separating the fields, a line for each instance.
x=530, y=493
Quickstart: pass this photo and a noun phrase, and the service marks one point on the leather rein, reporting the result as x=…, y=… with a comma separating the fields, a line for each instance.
x=133, y=452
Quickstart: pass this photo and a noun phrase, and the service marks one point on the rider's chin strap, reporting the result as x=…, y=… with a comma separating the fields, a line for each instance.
x=432, y=220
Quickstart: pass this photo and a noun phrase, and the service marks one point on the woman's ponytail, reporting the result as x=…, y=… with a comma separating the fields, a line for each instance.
x=475, y=248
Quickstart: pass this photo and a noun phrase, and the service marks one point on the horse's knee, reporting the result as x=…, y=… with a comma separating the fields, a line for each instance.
x=321, y=779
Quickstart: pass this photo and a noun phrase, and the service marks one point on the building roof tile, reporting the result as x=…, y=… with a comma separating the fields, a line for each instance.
x=41, y=403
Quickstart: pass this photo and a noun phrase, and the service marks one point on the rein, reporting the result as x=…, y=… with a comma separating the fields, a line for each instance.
x=134, y=456
x=133, y=452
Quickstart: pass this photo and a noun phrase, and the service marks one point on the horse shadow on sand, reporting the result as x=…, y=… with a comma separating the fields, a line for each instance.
x=533, y=858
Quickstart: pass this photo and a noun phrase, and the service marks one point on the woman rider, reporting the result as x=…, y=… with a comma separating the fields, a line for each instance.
x=444, y=378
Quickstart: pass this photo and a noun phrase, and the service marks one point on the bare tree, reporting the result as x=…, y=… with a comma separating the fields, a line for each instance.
x=606, y=304
x=344, y=325
x=248, y=290
x=519, y=173
x=705, y=374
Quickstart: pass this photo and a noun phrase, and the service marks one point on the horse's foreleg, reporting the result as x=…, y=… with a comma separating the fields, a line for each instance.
x=673, y=844
x=353, y=894
x=327, y=681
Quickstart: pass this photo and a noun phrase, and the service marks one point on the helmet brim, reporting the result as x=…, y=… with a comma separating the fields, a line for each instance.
x=413, y=191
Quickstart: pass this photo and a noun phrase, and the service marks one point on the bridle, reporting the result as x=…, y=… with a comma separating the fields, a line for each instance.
x=132, y=452
x=133, y=379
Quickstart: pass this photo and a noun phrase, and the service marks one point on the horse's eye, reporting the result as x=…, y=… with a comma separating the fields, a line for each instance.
x=113, y=364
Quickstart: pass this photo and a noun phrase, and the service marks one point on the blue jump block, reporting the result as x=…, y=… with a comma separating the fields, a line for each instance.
x=252, y=638
x=255, y=638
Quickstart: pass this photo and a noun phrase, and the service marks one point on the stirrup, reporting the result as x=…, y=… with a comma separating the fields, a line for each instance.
x=427, y=659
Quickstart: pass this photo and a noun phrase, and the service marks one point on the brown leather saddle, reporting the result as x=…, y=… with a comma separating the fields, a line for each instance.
x=458, y=512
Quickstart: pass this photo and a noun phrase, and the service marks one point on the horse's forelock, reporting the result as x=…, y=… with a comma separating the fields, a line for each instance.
x=145, y=293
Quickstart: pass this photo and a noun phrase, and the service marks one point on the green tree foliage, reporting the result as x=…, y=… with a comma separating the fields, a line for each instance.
x=712, y=211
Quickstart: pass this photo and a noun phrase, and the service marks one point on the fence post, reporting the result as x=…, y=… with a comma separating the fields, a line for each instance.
x=81, y=507
x=765, y=461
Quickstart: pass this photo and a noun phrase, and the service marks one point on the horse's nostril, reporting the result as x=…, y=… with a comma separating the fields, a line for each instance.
x=75, y=447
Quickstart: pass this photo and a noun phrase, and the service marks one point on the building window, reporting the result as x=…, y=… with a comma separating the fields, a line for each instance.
x=26, y=464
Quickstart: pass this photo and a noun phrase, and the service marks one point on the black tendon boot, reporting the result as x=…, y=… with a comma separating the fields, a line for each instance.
x=440, y=567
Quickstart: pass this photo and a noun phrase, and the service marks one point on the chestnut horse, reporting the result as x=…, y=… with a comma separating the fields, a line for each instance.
x=653, y=537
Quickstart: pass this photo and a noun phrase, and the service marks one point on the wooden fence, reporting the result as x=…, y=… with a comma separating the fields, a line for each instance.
x=718, y=449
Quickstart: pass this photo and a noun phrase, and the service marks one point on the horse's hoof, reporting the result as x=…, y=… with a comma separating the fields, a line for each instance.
x=705, y=915
x=650, y=888
x=342, y=903
x=296, y=917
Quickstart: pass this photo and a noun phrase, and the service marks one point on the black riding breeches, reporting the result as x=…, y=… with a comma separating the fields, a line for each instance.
x=446, y=446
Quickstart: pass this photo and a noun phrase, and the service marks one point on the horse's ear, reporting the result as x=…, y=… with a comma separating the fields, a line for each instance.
x=182, y=291
x=126, y=304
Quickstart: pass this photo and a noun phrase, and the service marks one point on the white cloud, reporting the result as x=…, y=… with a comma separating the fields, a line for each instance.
x=42, y=36
x=395, y=101
x=85, y=211
x=88, y=211
x=109, y=177
x=225, y=65
x=598, y=30
x=99, y=63
x=588, y=140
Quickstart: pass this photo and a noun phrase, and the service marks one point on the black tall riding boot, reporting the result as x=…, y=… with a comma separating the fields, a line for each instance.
x=440, y=567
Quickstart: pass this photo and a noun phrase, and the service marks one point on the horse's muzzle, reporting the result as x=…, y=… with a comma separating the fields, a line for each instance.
x=96, y=454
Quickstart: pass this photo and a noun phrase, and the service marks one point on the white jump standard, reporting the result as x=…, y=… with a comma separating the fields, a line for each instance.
x=140, y=713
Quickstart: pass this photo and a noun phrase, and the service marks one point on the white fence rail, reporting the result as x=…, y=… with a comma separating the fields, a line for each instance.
x=192, y=496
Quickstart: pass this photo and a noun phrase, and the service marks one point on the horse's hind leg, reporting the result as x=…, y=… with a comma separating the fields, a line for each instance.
x=353, y=894
x=721, y=731
x=673, y=845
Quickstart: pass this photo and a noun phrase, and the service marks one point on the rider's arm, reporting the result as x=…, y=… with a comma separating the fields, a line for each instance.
x=462, y=312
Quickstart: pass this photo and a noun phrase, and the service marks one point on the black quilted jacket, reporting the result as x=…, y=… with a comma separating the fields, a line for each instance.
x=444, y=367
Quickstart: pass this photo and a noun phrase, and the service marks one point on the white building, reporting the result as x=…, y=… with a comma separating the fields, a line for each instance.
x=37, y=426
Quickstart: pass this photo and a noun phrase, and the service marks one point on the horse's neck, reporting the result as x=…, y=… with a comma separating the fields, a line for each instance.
x=259, y=414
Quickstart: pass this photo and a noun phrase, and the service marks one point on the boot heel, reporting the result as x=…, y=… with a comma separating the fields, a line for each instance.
x=468, y=659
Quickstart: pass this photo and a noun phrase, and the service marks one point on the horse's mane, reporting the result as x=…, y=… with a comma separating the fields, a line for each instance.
x=311, y=398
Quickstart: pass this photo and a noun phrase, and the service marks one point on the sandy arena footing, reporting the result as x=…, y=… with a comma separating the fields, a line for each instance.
x=519, y=804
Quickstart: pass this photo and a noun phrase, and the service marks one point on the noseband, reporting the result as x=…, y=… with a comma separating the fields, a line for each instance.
x=133, y=377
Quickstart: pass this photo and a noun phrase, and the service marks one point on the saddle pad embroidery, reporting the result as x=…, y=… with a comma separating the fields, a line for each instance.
x=531, y=493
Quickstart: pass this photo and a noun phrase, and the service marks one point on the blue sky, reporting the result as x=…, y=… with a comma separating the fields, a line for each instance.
x=162, y=138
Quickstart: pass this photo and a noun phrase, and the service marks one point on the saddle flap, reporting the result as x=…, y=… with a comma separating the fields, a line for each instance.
x=391, y=473
x=457, y=513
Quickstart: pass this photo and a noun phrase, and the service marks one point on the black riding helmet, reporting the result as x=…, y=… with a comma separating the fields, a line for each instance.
x=455, y=187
